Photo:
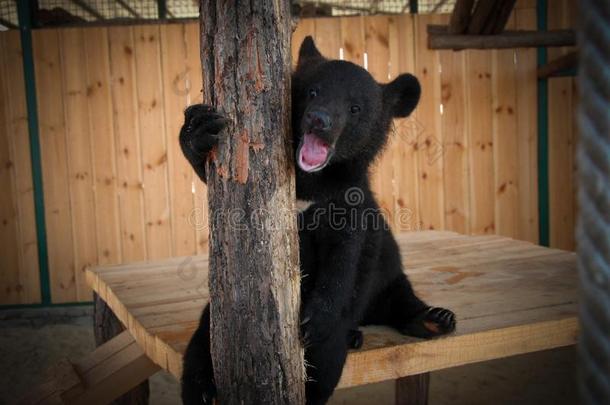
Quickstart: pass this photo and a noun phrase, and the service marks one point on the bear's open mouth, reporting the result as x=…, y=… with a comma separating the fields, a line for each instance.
x=313, y=154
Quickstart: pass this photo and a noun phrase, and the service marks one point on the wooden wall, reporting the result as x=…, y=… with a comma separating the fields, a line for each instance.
x=117, y=188
x=19, y=281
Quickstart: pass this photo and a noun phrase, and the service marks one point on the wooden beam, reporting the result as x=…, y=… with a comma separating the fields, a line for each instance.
x=108, y=372
x=499, y=18
x=412, y=390
x=482, y=12
x=460, y=18
x=507, y=39
x=553, y=68
x=89, y=9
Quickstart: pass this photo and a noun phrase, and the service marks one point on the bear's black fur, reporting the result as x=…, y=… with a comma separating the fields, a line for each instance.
x=350, y=262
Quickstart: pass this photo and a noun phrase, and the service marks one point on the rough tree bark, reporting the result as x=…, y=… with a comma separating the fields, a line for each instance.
x=254, y=271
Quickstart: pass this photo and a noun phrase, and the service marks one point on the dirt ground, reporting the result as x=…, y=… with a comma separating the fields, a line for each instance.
x=32, y=340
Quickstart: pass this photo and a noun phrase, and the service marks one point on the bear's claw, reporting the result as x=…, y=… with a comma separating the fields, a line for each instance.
x=431, y=322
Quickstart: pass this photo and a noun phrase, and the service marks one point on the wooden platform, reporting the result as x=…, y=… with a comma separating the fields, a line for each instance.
x=510, y=298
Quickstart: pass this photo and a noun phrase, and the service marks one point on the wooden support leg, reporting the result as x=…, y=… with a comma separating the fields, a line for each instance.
x=107, y=326
x=110, y=371
x=412, y=390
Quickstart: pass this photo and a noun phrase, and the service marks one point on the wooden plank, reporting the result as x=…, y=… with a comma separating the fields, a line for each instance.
x=175, y=98
x=561, y=143
x=102, y=138
x=199, y=217
x=405, y=131
x=328, y=36
x=507, y=39
x=152, y=140
x=505, y=141
x=527, y=124
x=363, y=367
x=412, y=390
x=377, y=51
x=304, y=28
x=18, y=136
x=430, y=144
x=455, y=141
x=125, y=117
x=352, y=39
x=479, y=129
x=10, y=286
x=460, y=17
x=53, y=144
x=80, y=170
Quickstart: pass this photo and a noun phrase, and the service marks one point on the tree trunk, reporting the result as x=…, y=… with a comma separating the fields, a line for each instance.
x=254, y=271
x=106, y=326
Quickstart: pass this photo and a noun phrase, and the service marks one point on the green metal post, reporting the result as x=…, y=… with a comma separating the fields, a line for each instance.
x=25, y=28
x=543, y=134
x=162, y=7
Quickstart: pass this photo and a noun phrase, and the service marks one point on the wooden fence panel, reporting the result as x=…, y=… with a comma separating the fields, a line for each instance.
x=126, y=130
x=561, y=130
x=117, y=188
x=454, y=122
x=103, y=145
x=152, y=141
x=19, y=281
x=505, y=140
x=430, y=142
x=79, y=156
x=527, y=130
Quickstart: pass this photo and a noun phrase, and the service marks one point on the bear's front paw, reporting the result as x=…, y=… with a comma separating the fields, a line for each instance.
x=201, y=129
x=431, y=322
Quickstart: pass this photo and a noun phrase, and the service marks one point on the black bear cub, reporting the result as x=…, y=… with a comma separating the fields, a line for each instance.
x=350, y=262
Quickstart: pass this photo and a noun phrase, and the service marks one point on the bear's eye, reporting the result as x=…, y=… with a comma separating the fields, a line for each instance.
x=313, y=93
x=355, y=109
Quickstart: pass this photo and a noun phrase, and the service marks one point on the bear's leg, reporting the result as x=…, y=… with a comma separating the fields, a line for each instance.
x=325, y=362
x=197, y=374
x=411, y=316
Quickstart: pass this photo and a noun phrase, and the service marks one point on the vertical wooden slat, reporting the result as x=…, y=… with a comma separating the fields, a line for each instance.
x=505, y=143
x=478, y=98
x=125, y=119
x=10, y=287
x=455, y=142
x=80, y=171
x=406, y=130
x=527, y=123
x=28, y=287
x=352, y=39
x=328, y=36
x=304, y=28
x=377, y=49
x=152, y=140
x=176, y=90
x=103, y=156
x=561, y=142
x=429, y=144
x=46, y=45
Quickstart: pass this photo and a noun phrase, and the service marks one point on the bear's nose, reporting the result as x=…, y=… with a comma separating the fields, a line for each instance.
x=318, y=120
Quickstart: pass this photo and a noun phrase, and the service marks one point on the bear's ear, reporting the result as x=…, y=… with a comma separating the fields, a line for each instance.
x=401, y=95
x=308, y=53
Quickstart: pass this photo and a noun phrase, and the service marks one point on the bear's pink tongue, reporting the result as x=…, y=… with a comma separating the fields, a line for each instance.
x=313, y=153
